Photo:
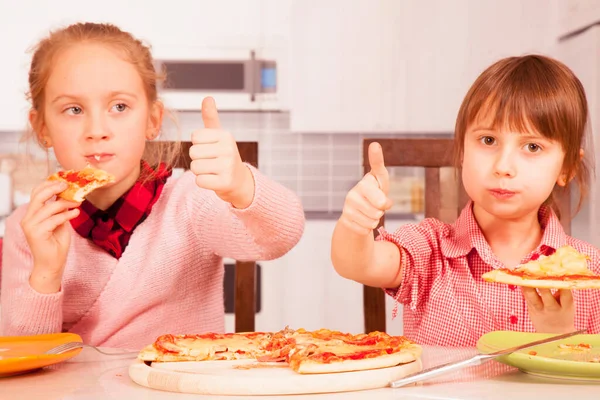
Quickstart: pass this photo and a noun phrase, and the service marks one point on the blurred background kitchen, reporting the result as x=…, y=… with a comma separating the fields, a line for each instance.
x=309, y=80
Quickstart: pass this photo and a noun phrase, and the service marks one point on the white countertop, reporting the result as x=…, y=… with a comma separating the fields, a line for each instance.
x=91, y=376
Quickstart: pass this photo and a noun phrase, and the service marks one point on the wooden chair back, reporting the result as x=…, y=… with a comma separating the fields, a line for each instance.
x=444, y=198
x=245, y=271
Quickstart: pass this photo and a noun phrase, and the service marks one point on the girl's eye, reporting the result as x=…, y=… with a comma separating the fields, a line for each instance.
x=74, y=110
x=120, y=107
x=488, y=140
x=533, y=148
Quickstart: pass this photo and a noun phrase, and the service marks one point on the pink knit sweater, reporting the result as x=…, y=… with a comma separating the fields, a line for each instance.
x=170, y=277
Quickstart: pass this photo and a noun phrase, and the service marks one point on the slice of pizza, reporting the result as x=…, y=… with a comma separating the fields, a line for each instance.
x=82, y=182
x=327, y=351
x=208, y=346
x=565, y=269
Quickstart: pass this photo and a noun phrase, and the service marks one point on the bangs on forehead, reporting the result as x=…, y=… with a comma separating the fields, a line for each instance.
x=517, y=105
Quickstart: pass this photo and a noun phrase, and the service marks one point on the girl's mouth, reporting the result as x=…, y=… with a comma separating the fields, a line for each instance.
x=99, y=158
x=502, y=193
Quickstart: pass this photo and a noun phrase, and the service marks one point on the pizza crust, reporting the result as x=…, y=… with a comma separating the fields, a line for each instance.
x=499, y=276
x=404, y=356
x=150, y=354
x=98, y=178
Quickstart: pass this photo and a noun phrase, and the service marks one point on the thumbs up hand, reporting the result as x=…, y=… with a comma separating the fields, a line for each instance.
x=216, y=161
x=367, y=201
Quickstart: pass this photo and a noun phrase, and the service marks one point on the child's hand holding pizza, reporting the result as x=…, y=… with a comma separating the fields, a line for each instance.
x=563, y=270
x=45, y=223
x=45, y=226
x=217, y=163
x=550, y=313
x=367, y=201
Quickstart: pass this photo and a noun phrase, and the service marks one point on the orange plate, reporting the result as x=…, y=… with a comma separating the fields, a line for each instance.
x=20, y=354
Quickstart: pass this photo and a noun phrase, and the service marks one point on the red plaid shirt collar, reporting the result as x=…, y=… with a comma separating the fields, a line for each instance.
x=468, y=236
x=112, y=229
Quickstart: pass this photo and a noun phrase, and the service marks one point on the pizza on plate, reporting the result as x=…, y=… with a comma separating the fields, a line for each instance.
x=566, y=268
x=305, y=352
x=82, y=182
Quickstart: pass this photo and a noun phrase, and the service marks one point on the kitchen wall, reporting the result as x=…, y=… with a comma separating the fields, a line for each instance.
x=347, y=70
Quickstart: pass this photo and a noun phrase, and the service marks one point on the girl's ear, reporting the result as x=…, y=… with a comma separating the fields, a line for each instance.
x=39, y=128
x=563, y=179
x=155, y=120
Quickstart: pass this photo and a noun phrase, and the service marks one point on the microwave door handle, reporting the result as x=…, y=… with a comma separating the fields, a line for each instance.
x=255, y=74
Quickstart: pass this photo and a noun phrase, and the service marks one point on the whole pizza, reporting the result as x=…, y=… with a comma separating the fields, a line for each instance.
x=305, y=352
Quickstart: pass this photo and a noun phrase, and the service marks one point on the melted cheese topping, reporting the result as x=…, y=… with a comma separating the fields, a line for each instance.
x=336, y=345
x=565, y=261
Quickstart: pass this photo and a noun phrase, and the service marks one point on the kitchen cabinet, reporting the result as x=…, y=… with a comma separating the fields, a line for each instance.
x=374, y=66
x=343, y=66
x=185, y=28
x=399, y=65
x=230, y=24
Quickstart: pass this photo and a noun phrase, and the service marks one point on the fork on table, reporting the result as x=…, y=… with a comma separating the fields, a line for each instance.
x=77, y=345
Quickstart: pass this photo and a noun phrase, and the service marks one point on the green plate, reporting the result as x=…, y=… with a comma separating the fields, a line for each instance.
x=549, y=359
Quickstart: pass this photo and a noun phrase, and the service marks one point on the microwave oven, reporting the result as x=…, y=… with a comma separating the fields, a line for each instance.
x=239, y=80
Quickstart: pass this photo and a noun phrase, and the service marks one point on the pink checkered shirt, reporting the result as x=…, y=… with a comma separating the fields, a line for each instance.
x=445, y=300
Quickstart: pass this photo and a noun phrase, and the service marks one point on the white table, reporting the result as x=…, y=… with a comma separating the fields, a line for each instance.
x=91, y=376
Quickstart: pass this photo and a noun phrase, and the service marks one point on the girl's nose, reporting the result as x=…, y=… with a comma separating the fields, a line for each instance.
x=97, y=130
x=504, y=166
x=97, y=136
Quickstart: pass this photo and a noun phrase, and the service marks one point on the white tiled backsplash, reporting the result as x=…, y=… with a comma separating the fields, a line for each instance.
x=319, y=167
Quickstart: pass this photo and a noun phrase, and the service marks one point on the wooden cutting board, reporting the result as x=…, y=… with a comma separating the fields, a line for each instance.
x=248, y=377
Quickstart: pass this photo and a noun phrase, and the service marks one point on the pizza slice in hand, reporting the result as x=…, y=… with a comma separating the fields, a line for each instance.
x=81, y=183
x=565, y=269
